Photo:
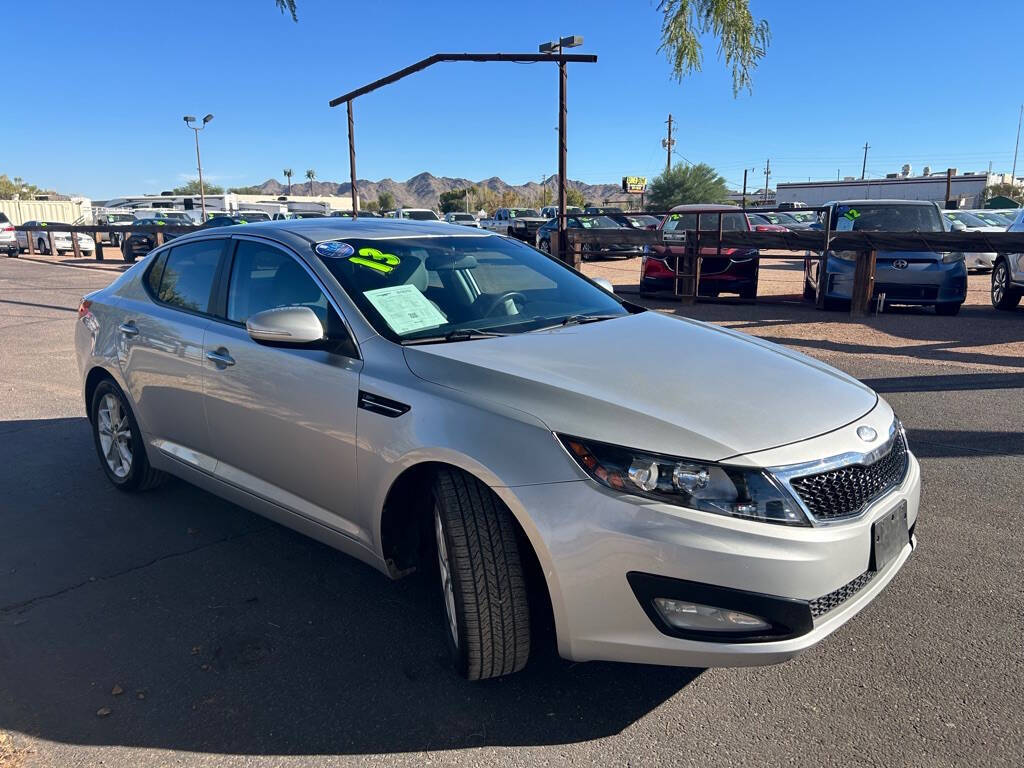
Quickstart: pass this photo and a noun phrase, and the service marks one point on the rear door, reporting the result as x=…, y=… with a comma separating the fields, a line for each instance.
x=160, y=348
x=283, y=419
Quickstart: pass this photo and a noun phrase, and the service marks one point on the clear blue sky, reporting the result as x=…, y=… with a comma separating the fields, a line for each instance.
x=106, y=84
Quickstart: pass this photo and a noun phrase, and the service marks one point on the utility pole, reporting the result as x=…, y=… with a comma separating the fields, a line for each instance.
x=351, y=161
x=744, y=203
x=668, y=144
x=1013, y=173
x=864, y=166
x=767, y=173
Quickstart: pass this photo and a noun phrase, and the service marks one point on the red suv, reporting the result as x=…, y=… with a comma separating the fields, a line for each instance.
x=734, y=271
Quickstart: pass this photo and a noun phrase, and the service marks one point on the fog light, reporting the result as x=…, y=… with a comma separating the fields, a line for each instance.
x=683, y=614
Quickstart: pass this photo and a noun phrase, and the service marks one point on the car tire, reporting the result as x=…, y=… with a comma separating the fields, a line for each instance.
x=948, y=308
x=127, y=254
x=545, y=245
x=483, y=588
x=1004, y=296
x=810, y=291
x=118, y=441
x=750, y=292
x=41, y=246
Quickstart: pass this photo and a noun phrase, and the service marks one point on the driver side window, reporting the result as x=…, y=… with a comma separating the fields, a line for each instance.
x=264, y=277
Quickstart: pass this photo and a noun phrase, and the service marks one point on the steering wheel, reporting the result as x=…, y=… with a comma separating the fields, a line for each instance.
x=501, y=300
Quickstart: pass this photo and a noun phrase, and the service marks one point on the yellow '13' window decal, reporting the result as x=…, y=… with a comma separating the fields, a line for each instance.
x=374, y=259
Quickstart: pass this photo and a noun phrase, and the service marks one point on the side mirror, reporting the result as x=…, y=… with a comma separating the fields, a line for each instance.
x=604, y=283
x=286, y=325
x=957, y=226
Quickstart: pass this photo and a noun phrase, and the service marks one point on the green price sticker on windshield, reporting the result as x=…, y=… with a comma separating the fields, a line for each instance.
x=376, y=260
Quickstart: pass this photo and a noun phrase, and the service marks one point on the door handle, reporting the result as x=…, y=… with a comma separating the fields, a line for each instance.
x=128, y=329
x=220, y=358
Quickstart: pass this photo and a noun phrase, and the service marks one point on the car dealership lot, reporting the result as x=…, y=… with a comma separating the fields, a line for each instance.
x=238, y=642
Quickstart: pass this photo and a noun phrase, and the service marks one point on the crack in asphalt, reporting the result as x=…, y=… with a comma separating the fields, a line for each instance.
x=22, y=605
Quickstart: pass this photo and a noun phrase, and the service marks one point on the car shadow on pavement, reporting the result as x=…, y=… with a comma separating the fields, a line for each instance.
x=175, y=620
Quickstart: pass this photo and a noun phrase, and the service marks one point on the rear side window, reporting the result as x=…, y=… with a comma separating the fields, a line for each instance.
x=156, y=273
x=188, y=273
x=3, y=218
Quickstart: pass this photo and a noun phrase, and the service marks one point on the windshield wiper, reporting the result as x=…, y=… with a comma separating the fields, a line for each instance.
x=575, y=320
x=459, y=334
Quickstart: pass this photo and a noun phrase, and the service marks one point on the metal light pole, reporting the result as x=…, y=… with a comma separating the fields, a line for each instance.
x=571, y=41
x=1013, y=173
x=189, y=120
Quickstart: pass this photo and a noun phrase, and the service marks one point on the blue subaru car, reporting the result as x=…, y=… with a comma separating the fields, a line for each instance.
x=925, y=278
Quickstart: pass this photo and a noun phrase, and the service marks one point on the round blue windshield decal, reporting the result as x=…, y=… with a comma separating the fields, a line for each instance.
x=332, y=249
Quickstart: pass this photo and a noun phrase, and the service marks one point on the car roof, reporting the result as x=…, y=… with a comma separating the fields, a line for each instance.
x=705, y=207
x=884, y=201
x=333, y=228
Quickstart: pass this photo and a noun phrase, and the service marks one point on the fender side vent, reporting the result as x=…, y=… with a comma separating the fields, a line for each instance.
x=382, y=405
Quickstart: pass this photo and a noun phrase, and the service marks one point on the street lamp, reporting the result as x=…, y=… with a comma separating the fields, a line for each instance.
x=189, y=120
x=570, y=41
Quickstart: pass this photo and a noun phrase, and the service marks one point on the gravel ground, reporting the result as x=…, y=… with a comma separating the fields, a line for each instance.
x=172, y=628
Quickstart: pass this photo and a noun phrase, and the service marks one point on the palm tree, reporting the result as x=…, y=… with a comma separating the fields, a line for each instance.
x=310, y=174
x=288, y=175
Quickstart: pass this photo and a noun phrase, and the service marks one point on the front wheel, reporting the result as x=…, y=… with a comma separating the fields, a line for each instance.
x=119, y=442
x=1004, y=295
x=482, y=583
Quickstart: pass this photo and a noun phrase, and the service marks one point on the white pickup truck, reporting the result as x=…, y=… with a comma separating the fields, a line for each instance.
x=520, y=223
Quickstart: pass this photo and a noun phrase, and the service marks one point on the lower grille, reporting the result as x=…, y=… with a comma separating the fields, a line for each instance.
x=895, y=291
x=845, y=492
x=822, y=605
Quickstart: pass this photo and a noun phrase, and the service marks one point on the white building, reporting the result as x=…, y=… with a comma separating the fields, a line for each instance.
x=968, y=189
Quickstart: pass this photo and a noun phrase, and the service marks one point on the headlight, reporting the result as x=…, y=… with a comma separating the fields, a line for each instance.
x=720, y=489
x=949, y=258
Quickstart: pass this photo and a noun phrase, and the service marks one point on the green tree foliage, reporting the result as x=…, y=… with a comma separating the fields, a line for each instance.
x=370, y=205
x=742, y=40
x=455, y=200
x=386, y=201
x=574, y=197
x=191, y=187
x=287, y=6
x=1011, y=191
x=686, y=184
x=246, y=190
x=17, y=186
x=310, y=175
x=288, y=173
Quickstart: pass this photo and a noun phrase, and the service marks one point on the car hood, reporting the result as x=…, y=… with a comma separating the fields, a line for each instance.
x=653, y=382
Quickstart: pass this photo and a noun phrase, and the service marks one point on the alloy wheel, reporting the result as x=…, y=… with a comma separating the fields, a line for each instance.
x=446, y=577
x=115, y=435
x=998, y=283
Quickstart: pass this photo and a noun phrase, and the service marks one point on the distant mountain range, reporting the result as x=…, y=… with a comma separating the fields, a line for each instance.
x=424, y=189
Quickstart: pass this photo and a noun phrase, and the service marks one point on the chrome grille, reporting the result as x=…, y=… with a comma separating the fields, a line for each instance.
x=822, y=605
x=844, y=492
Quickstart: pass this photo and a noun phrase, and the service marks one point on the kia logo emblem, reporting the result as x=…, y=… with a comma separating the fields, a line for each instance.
x=900, y=263
x=867, y=434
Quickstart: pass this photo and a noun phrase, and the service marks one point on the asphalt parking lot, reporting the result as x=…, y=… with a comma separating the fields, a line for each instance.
x=175, y=628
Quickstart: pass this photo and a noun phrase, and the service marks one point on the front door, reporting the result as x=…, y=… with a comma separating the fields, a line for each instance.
x=283, y=419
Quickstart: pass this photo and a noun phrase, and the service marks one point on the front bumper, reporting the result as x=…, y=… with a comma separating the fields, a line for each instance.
x=599, y=616
x=923, y=282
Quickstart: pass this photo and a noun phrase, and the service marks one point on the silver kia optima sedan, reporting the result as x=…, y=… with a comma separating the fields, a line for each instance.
x=432, y=397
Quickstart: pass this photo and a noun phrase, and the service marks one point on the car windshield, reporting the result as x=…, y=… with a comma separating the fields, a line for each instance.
x=643, y=221
x=419, y=215
x=969, y=220
x=514, y=212
x=783, y=219
x=254, y=216
x=595, y=222
x=462, y=217
x=994, y=218
x=120, y=217
x=887, y=217
x=732, y=221
x=805, y=217
x=429, y=287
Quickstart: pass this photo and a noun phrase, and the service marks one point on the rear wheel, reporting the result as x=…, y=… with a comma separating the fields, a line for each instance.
x=119, y=442
x=482, y=582
x=1004, y=295
x=41, y=246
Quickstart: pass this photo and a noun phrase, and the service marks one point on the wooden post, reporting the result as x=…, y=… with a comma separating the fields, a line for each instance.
x=159, y=238
x=74, y=245
x=553, y=243
x=863, y=284
x=28, y=242
x=577, y=254
x=53, y=246
x=99, y=244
